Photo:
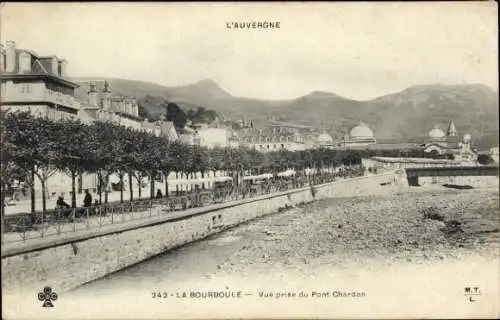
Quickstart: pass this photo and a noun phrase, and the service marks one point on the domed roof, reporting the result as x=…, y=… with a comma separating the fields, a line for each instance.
x=325, y=138
x=361, y=131
x=436, y=133
x=467, y=138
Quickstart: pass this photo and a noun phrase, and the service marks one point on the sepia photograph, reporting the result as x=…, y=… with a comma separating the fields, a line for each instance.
x=249, y=160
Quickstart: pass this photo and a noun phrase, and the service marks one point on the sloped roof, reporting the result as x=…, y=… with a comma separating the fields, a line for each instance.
x=166, y=126
x=40, y=67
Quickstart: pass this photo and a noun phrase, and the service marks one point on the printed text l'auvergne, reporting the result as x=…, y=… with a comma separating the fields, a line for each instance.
x=253, y=25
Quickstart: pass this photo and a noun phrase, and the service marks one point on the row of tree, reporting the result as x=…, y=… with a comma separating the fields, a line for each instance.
x=36, y=148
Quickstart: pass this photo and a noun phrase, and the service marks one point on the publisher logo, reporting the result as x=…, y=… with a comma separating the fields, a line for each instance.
x=47, y=296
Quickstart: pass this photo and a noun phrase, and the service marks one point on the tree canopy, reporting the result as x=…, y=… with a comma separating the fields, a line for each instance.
x=38, y=147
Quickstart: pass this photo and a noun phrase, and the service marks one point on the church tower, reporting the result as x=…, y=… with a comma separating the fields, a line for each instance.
x=451, y=132
x=92, y=94
x=106, y=96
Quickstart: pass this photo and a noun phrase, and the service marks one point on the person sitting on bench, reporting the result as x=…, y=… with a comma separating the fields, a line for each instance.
x=62, y=207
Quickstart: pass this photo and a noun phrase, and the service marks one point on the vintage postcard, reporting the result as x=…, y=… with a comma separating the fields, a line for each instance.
x=249, y=160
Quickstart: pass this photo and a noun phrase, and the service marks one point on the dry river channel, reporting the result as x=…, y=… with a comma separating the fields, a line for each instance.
x=374, y=231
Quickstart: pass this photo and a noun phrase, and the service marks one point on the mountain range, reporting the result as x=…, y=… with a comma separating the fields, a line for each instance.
x=407, y=114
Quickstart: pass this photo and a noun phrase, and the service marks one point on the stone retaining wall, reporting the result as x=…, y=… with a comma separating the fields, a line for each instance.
x=67, y=265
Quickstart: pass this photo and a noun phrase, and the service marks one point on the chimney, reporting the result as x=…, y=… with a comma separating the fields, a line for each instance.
x=24, y=62
x=106, y=96
x=135, y=107
x=10, y=56
x=62, y=68
x=54, y=66
x=92, y=94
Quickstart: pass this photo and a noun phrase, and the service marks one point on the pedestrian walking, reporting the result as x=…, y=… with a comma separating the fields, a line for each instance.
x=159, y=194
x=87, y=201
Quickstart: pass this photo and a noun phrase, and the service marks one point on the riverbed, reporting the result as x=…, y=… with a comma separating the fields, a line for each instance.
x=371, y=256
x=365, y=232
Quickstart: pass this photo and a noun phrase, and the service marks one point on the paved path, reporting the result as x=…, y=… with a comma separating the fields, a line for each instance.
x=25, y=205
x=55, y=234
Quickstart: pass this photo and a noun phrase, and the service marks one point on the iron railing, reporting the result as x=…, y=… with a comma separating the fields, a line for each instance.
x=25, y=226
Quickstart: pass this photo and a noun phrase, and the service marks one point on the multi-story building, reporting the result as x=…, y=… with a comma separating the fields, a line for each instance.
x=37, y=84
x=494, y=154
x=167, y=130
x=100, y=105
x=361, y=136
x=449, y=143
x=270, y=139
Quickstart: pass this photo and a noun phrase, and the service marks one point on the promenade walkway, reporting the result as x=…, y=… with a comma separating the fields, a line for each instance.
x=92, y=226
x=25, y=205
x=27, y=230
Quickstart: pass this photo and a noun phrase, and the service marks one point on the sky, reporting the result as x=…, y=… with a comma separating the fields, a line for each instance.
x=356, y=50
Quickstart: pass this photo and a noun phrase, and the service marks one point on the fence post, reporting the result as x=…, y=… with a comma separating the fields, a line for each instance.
x=43, y=225
x=24, y=229
x=87, y=216
x=3, y=219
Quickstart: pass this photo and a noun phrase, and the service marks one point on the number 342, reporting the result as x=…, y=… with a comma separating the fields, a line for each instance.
x=159, y=295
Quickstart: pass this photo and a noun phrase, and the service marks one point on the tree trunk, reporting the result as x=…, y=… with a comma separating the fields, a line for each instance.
x=99, y=187
x=139, y=183
x=130, y=187
x=203, y=177
x=73, y=189
x=32, y=191
x=3, y=186
x=44, y=200
x=166, y=184
x=140, y=187
x=152, y=191
x=80, y=183
x=106, y=190
x=121, y=187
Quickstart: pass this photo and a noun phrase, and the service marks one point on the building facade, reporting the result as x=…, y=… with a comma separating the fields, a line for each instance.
x=214, y=137
x=449, y=143
x=271, y=139
x=100, y=105
x=494, y=154
x=361, y=136
x=37, y=84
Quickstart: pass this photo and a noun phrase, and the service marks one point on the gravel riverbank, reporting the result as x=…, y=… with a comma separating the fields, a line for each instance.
x=379, y=245
x=362, y=233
